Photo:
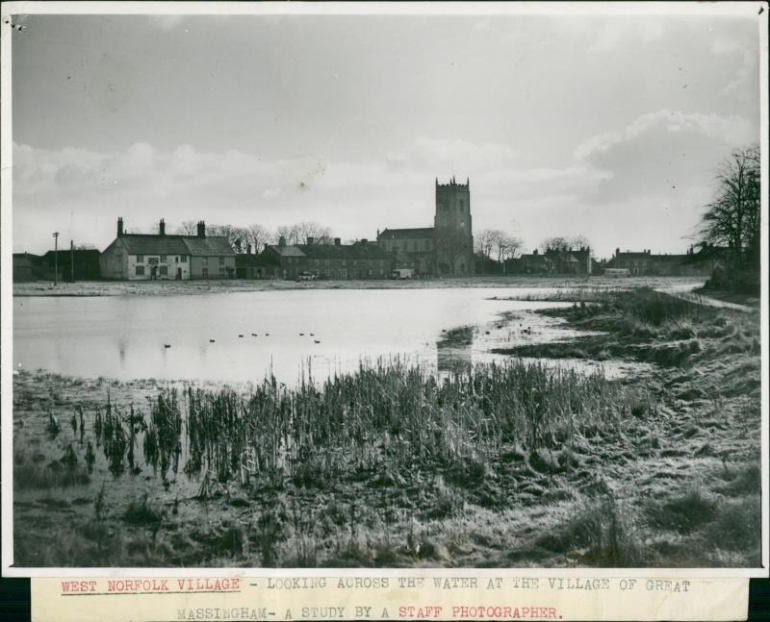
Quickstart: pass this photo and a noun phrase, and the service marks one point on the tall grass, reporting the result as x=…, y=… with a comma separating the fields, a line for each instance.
x=387, y=417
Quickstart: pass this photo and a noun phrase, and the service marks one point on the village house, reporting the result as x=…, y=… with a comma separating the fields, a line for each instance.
x=568, y=261
x=27, y=267
x=360, y=260
x=134, y=256
x=78, y=264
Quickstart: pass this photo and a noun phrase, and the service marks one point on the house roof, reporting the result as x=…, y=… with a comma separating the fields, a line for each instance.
x=534, y=257
x=149, y=244
x=347, y=251
x=634, y=255
x=406, y=234
x=285, y=251
x=210, y=245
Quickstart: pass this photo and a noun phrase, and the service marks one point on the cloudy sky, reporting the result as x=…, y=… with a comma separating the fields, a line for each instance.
x=609, y=126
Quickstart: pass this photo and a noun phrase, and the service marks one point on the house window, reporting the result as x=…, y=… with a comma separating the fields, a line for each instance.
x=205, y=261
x=163, y=270
x=139, y=270
x=140, y=259
x=184, y=259
x=221, y=271
x=221, y=261
x=163, y=259
x=205, y=272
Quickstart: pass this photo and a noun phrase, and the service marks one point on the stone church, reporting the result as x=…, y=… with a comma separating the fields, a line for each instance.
x=446, y=249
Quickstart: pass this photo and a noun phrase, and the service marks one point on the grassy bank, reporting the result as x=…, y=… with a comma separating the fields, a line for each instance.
x=515, y=465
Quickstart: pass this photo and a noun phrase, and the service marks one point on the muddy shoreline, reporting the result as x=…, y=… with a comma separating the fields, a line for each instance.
x=178, y=288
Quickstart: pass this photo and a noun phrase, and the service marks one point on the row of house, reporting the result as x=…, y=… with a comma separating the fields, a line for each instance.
x=162, y=256
x=360, y=260
x=645, y=263
x=568, y=261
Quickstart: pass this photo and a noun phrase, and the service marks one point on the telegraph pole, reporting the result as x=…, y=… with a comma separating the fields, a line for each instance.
x=72, y=261
x=55, y=257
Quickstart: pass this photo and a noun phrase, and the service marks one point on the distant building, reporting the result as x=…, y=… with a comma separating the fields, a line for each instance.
x=570, y=261
x=27, y=267
x=644, y=263
x=532, y=263
x=85, y=262
x=360, y=260
x=444, y=249
x=137, y=257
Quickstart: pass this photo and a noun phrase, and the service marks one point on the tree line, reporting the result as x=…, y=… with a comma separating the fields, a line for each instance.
x=257, y=237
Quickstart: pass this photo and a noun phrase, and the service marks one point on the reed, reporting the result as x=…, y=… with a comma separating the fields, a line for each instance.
x=387, y=417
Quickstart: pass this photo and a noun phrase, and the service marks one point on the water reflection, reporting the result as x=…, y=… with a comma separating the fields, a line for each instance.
x=454, y=351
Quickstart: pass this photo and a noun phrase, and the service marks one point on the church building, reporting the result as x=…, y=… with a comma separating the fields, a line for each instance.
x=446, y=249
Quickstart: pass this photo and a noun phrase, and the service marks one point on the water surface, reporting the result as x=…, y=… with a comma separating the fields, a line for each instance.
x=287, y=333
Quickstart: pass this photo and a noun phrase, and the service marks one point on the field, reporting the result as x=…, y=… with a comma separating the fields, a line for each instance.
x=518, y=465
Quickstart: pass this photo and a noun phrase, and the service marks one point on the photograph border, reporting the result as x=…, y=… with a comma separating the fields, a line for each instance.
x=310, y=9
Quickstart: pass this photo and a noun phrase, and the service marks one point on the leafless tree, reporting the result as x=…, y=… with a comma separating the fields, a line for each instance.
x=258, y=237
x=187, y=227
x=732, y=219
x=486, y=241
x=300, y=232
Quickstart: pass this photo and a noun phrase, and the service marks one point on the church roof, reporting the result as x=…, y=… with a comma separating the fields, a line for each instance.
x=406, y=234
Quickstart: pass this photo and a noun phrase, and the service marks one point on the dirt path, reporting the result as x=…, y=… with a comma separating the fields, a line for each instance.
x=684, y=291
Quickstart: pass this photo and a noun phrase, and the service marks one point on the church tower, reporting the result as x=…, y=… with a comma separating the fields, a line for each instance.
x=453, y=228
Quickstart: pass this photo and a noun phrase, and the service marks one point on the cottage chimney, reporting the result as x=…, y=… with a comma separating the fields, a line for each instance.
x=364, y=241
x=617, y=252
x=120, y=227
x=337, y=241
x=201, y=229
x=248, y=249
x=535, y=252
x=282, y=240
x=310, y=240
x=162, y=227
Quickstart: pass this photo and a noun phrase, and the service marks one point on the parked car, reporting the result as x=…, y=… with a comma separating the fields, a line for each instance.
x=306, y=276
x=402, y=273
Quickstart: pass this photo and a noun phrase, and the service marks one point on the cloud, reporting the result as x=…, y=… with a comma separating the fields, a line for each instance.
x=662, y=152
x=81, y=193
x=617, y=32
x=452, y=154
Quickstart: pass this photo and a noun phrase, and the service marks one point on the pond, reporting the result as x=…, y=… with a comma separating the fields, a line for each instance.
x=242, y=337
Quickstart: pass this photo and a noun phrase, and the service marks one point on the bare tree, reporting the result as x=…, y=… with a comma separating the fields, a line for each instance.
x=319, y=233
x=187, y=227
x=300, y=232
x=258, y=237
x=486, y=241
x=289, y=233
x=507, y=247
x=732, y=219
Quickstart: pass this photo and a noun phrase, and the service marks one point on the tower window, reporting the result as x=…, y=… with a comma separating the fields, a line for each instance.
x=462, y=206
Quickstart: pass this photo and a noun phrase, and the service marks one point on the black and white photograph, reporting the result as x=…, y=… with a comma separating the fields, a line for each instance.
x=433, y=286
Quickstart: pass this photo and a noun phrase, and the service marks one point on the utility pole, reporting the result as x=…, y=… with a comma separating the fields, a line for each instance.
x=55, y=257
x=72, y=261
